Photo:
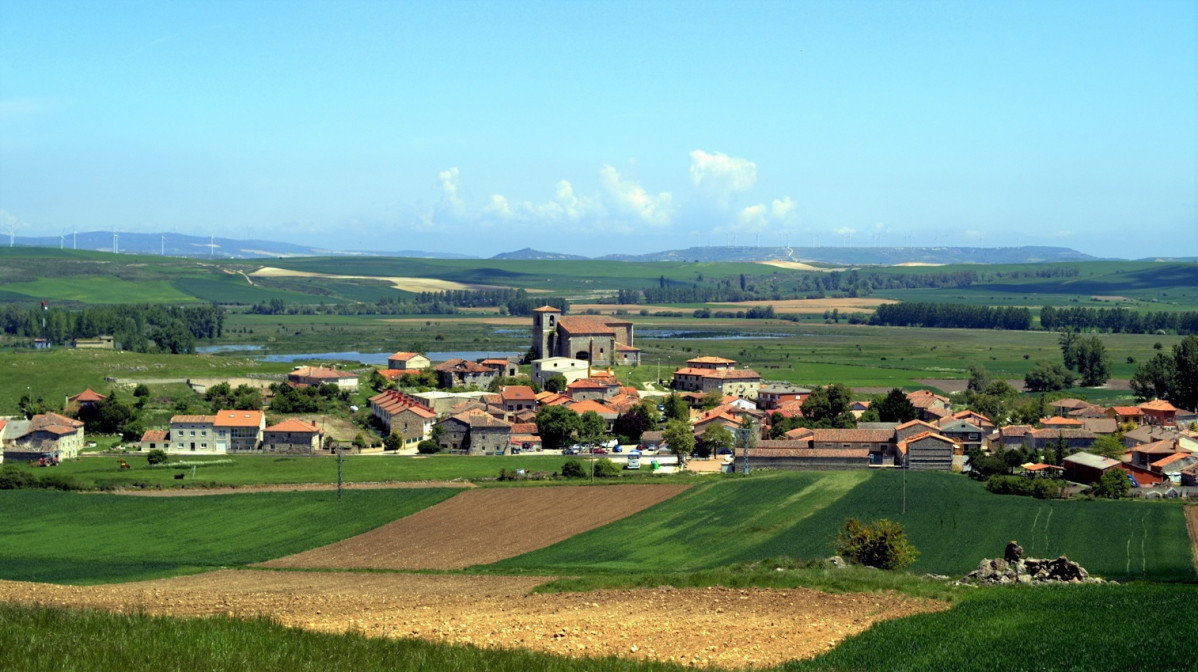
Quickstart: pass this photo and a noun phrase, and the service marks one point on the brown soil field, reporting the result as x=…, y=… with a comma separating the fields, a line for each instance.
x=797, y=266
x=478, y=527
x=810, y=306
x=732, y=628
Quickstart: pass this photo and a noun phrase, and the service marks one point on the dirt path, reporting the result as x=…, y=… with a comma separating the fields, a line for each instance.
x=482, y=526
x=713, y=626
x=1191, y=513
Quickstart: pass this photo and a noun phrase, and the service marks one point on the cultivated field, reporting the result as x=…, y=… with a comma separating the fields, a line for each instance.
x=482, y=526
x=400, y=283
x=727, y=627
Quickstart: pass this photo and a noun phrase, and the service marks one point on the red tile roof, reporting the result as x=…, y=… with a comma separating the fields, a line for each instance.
x=586, y=324
x=295, y=427
x=517, y=393
x=404, y=356
x=581, y=407
x=154, y=435
x=238, y=419
x=1158, y=405
x=88, y=395
x=546, y=309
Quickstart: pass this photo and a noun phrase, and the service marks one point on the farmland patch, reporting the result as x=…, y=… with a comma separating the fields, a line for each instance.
x=483, y=526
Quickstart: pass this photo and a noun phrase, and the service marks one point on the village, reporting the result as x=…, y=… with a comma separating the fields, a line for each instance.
x=723, y=415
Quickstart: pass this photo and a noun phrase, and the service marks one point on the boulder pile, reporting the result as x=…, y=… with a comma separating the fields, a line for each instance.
x=1014, y=568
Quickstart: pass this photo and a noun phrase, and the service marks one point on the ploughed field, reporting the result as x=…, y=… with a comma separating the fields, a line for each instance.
x=709, y=626
x=482, y=526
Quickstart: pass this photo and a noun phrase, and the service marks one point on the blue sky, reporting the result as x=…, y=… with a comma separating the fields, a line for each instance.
x=599, y=127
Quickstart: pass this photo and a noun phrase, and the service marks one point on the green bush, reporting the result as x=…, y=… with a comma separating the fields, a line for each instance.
x=882, y=544
x=1040, y=488
x=156, y=456
x=573, y=469
x=428, y=447
x=13, y=477
x=605, y=468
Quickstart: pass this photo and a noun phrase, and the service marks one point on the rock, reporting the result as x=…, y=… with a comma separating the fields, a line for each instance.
x=1013, y=552
x=836, y=562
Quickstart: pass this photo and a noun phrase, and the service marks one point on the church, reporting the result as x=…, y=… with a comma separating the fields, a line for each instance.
x=598, y=339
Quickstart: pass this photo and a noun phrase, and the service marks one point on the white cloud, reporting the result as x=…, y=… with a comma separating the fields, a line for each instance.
x=781, y=208
x=499, y=207
x=718, y=175
x=845, y=231
x=451, y=205
x=629, y=197
x=973, y=234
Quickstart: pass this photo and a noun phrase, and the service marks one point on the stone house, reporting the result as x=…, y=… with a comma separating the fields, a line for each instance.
x=408, y=361
x=464, y=373
x=773, y=395
x=475, y=432
x=315, y=376
x=43, y=435
x=566, y=367
x=292, y=436
x=929, y=452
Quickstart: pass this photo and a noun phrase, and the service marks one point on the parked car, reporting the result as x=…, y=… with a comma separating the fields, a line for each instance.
x=599, y=451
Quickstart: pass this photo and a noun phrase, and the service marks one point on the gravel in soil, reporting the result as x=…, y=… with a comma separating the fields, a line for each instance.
x=723, y=627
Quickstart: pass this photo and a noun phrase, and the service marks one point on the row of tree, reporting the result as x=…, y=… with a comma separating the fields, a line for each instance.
x=1172, y=376
x=1118, y=320
x=952, y=316
x=142, y=327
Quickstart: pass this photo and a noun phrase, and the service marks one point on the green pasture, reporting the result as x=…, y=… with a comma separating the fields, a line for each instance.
x=103, y=538
x=56, y=374
x=243, y=470
x=1088, y=627
x=98, y=289
x=953, y=521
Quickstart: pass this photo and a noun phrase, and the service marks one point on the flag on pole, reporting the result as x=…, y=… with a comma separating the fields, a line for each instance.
x=43, y=304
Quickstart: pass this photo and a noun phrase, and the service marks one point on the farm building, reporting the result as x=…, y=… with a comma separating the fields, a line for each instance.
x=45, y=435
x=929, y=452
x=570, y=369
x=1087, y=467
x=292, y=436
x=408, y=361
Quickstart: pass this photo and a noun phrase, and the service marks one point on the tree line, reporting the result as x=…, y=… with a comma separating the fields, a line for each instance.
x=952, y=316
x=1118, y=320
x=142, y=327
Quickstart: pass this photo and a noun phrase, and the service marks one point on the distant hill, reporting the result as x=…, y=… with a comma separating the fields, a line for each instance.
x=530, y=254
x=181, y=245
x=873, y=256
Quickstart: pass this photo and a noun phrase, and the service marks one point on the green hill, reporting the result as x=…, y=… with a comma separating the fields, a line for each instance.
x=953, y=522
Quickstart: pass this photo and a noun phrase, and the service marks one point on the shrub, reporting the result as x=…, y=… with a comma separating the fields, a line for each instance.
x=605, y=468
x=156, y=456
x=1040, y=488
x=13, y=477
x=573, y=469
x=1113, y=485
x=428, y=447
x=882, y=544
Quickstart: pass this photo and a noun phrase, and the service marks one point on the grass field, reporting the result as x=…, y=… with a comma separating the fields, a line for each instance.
x=97, y=538
x=244, y=470
x=953, y=521
x=1058, y=628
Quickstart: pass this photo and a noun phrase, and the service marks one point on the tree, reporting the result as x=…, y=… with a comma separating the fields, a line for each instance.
x=1109, y=445
x=1093, y=363
x=556, y=424
x=896, y=407
x=156, y=456
x=555, y=383
x=1174, y=378
x=1113, y=484
x=591, y=426
x=1069, y=341
x=142, y=394
x=676, y=408
x=882, y=544
x=1047, y=377
x=1153, y=379
x=979, y=378
x=680, y=438
x=828, y=407
x=393, y=442
x=113, y=414
x=715, y=437
x=633, y=423
x=712, y=399
x=605, y=468
x=428, y=447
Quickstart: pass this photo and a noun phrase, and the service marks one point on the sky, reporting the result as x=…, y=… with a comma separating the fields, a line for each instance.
x=604, y=127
